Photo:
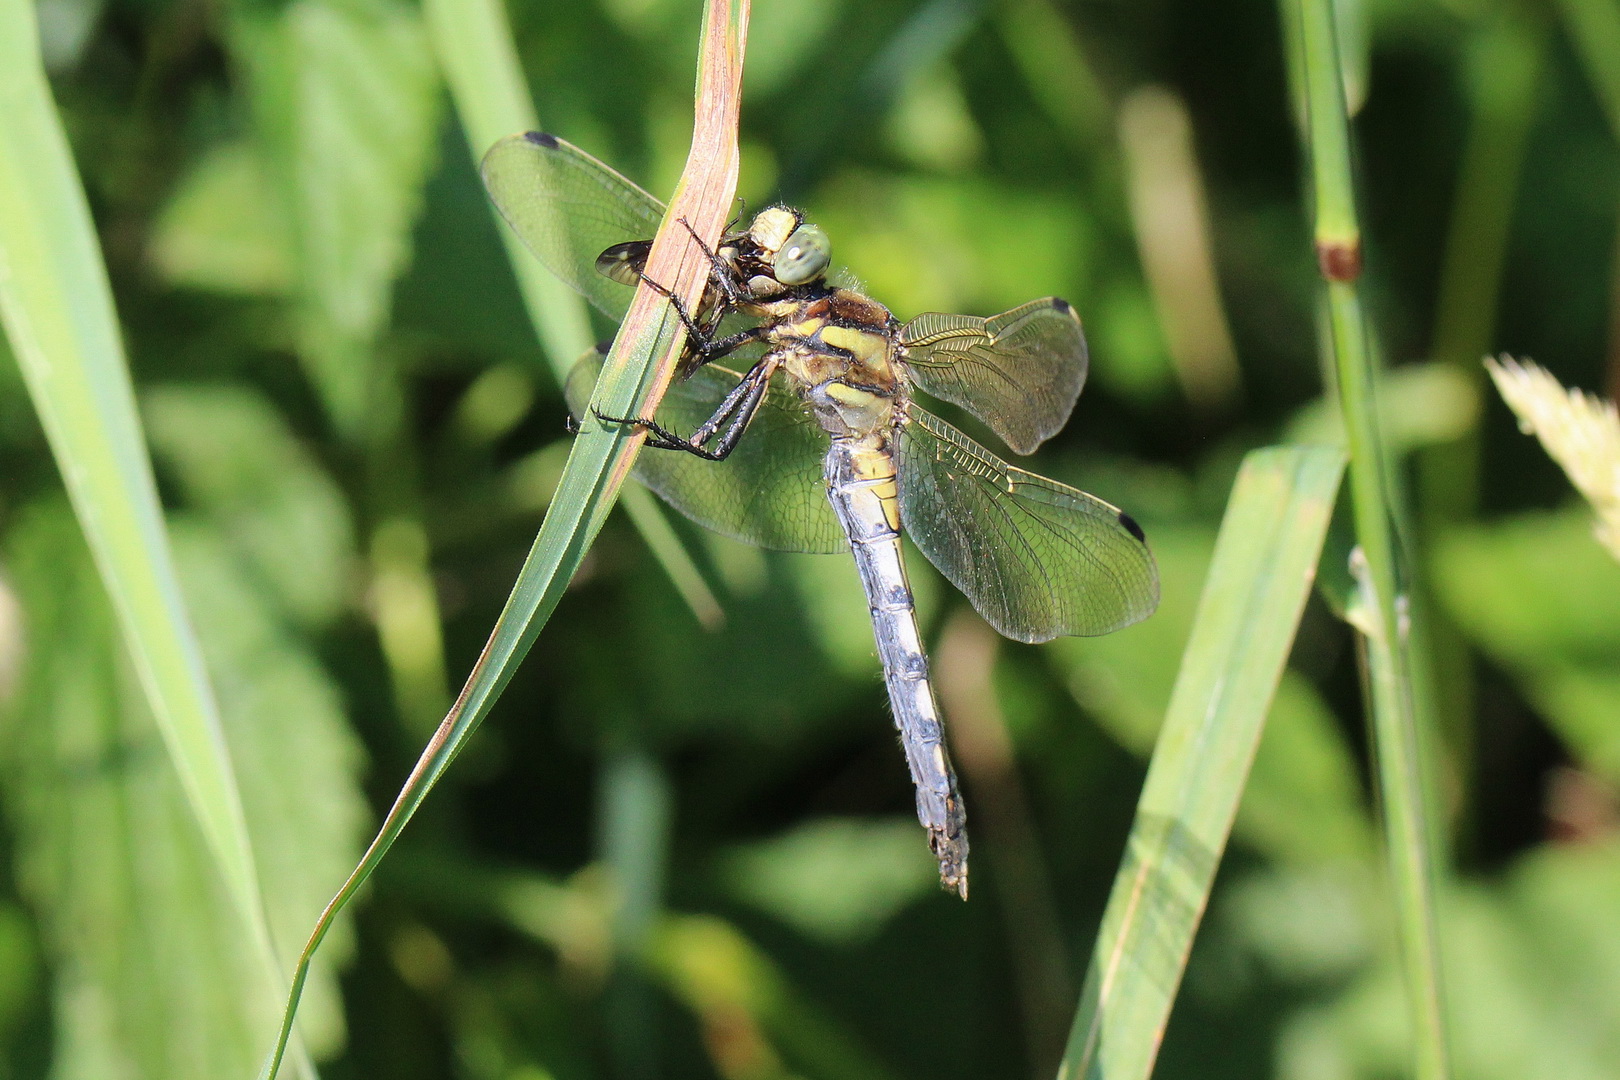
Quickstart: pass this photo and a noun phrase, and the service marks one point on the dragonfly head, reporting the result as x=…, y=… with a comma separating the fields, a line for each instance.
x=804, y=257
x=796, y=253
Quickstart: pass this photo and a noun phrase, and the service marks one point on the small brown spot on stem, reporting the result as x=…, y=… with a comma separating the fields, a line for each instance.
x=1339, y=260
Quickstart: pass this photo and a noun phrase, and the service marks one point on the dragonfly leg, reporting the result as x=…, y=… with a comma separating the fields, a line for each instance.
x=733, y=414
x=715, y=348
x=698, y=337
x=721, y=273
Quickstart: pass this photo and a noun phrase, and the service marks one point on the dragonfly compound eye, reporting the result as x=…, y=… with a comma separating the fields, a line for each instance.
x=804, y=257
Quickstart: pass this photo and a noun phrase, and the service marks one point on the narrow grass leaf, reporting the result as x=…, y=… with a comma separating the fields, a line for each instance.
x=475, y=50
x=151, y=980
x=1398, y=705
x=473, y=42
x=1264, y=563
x=1594, y=28
x=57, y=308
x=638, y=368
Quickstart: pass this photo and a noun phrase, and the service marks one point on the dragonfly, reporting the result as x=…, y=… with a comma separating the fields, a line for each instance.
x=801, y=432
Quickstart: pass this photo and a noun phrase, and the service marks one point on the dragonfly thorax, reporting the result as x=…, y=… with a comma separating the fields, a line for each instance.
x=837, y=347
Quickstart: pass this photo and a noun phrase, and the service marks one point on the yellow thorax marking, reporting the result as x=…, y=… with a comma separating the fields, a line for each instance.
x=867, y=346
x=849, y=395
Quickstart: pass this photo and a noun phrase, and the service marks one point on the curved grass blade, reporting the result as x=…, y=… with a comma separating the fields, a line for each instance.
x=638, y=368
x=1265, y=560
x=58, y=313
x=475, y=50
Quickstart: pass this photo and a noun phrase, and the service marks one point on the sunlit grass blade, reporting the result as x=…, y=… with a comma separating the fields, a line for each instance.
x=58, y=313
x=130, y=905
x=1264, y=564
x=475, y=49
x=1384, y=614
x=1594, y=27
x=638, y=368
x=474, y=45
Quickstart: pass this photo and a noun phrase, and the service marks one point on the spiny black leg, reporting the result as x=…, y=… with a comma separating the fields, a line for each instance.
x=715, y=348
x=701, y=340
x=734, y=414
x=722, y=273
x=697, y=336
x=728, y=405
x=739, y=423
x=663, y=439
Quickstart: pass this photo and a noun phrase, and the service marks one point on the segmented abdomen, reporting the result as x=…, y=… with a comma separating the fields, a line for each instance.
x=861, y=484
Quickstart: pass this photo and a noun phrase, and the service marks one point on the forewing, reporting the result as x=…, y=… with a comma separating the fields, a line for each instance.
x=1019, y=372
x=768, y=492
x=569, y=208
x=1036, y=558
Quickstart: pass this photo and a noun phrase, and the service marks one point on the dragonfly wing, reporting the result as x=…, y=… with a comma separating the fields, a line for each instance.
x=1038, y=559
x=769, y=492
x=1019, y=372
x=569, y=208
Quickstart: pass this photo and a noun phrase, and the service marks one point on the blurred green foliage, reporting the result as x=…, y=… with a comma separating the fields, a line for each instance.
x=356, y=433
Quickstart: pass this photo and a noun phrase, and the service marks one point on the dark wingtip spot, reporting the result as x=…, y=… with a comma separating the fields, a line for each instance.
x=540, y=138
x=1132, y=527
x=1061, y=305
x=604, y=346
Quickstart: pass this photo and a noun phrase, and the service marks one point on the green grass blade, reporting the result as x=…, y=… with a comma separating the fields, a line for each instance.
x=473, y=42
x=1594, y=28
x=638, y=368
x=475, y=49
x=58, y=312
x=1383, y=614
x=652, y=522
x=1264, y=563
x=130, y=906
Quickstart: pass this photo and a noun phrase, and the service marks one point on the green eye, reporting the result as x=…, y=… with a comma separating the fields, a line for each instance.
x=804, y=257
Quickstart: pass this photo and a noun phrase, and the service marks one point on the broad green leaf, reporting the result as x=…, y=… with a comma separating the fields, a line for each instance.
x=835, y=879
x=1304, y=802
x=1542, y=597
x=1303, y=798
x=236, y=460
x=474, y=47
x=1265, y=558
x=57, y=309
x=152, y=980
x=285, y=716
x=222, y=229
x=346, y=99
x=1533, y=971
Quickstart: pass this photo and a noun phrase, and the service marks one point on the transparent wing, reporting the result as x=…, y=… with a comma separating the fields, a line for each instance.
x=768, y=492
x=1036, y=558
x=1020, y=371
x=569, y=208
